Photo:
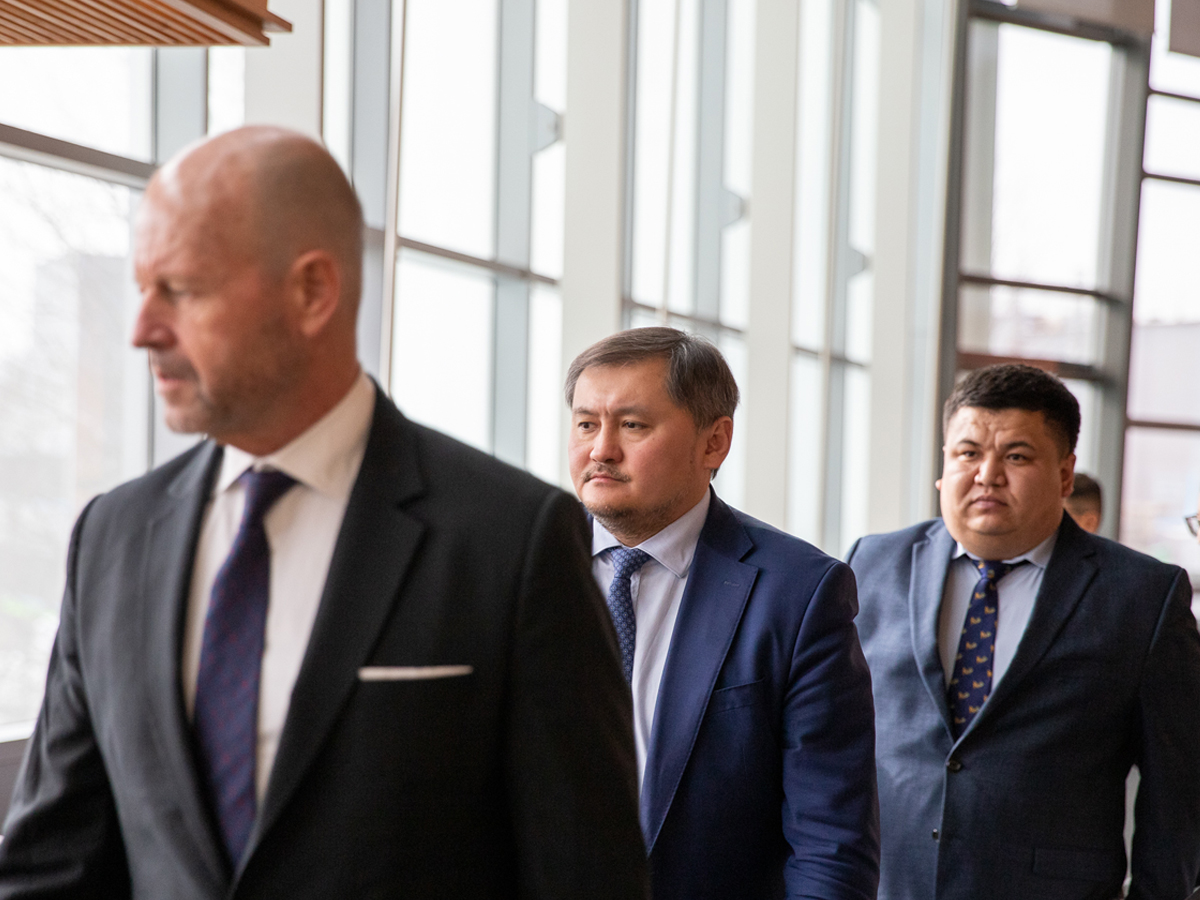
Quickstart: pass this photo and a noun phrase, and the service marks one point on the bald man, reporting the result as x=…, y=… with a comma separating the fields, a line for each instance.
x=326, y=653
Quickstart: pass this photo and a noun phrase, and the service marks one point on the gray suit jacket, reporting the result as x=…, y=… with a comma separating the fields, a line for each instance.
x=1029, y=801
x=517, y=780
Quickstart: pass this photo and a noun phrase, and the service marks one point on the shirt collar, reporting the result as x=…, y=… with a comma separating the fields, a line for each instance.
x=326, y=456
x=673, y=547
x=1038, y=556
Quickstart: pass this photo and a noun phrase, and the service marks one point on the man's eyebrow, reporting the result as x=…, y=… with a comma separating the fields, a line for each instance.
x=1006, y=447
x=632, y=409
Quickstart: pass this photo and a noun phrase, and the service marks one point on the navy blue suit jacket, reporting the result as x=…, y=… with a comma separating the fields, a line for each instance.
x=760, y=774
x=1029, y=802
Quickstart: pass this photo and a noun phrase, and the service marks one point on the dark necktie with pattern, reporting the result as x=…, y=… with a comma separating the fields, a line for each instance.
x=226, y=709
x=971, y=683
x=625, y=562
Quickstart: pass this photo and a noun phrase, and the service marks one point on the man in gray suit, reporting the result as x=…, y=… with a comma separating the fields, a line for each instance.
x=1021, y=666
x=326, y=653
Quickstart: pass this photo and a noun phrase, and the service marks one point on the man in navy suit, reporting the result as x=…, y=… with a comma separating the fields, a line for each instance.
x=1021, y=666
x=751, y=698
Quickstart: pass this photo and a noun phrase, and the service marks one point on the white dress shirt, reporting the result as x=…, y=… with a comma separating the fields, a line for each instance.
x=657, y=589
x=1017, y=591
x=302, y=527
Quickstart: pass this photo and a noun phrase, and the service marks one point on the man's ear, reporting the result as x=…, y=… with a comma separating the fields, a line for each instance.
x=315, y=282
x=717, y=439
x=1067, y=472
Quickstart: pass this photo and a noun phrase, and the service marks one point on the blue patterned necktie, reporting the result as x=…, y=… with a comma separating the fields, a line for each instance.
x=972, y=681
x=625, y=562
x=226, y=709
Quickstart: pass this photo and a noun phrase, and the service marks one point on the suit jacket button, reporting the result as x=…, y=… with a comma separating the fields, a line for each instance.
x=935, y=834
x=953, y=765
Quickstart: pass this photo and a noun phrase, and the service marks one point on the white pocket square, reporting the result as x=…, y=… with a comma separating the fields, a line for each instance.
x=411, y=673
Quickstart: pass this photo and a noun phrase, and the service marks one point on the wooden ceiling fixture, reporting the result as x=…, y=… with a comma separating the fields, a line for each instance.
x=160, y=23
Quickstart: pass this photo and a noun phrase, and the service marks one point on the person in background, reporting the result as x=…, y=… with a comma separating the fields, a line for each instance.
x=1193, y=524
x=1021, y=666
x=326, y=653
x=751, y=698
x=1086, y=503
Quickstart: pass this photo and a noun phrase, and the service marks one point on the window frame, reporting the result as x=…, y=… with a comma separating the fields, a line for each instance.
x=1128, y=95
x=179, y=115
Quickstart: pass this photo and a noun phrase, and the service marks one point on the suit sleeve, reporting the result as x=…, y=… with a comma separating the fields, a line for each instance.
x=1166, y=840
x=831, y=807
x=61, y=837
x=571, y=765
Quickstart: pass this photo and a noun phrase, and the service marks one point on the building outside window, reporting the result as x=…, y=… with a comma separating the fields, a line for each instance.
x=75, y=398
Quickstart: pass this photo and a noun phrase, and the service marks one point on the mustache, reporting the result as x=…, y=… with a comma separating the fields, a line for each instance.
x=170, y=365
x=606, y=471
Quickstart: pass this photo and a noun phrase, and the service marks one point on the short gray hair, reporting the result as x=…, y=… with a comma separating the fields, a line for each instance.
x=698, y=378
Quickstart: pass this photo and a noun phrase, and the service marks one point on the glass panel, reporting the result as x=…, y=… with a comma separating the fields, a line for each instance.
x=812, y=173
x=860, y=308
x=442, y=346
x=1164, y=371
x=546, y=227
x=1168, y=266
x=550, y=63
x=856, y=417
x=1008, y=321
x=1172, y=136
x=735, y=274
x=678, y=290
x=544, y=436
x=1032, y=197
x=864, y=112
x=337, y=92
x=95, y=96
x=549, y=172
x=226, y=88
x=804, y=450
x=1161, y=486
x=1165, y=362
x=1172, y=72
x=448, y=125
x=664, y=154
x=730, y=483
x=739, y=148
x=1088, y=396
x=74, y=409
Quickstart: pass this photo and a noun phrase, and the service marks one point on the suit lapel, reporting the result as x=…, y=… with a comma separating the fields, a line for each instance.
x=374, y=549
x=717, y=589
x=1070, y=571
x=170, y=544
x=930, y=564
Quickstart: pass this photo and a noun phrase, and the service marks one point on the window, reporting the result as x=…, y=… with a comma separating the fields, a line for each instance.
x=98, y=97
x=476, y=308
x=1162, y=442
x=74, y=396
x=833, y=280
x=1042, y=213
x=692, y=99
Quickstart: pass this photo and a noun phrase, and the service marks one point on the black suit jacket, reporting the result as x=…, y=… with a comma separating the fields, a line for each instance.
x=517, y=780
